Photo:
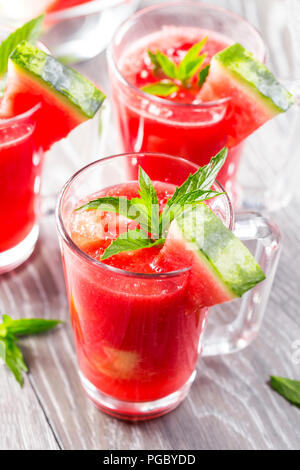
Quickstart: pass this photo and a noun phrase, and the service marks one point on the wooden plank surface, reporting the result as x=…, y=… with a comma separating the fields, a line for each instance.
x=230, y=404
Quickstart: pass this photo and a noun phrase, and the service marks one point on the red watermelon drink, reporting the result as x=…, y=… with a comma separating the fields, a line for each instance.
x=20, y=169
x=37, y=109
x=139, y=305
x=184, y=115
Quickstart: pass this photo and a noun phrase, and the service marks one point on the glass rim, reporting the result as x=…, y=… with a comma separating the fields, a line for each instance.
x=88, y=8
x=145, y=11
x=36, y=107
x=19, y=117
x=63, y=232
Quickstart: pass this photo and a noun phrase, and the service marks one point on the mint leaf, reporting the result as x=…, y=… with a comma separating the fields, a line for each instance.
x=140, y=213
x=168, y=67
x=13, y=358
x=131, y=240
x=119, y=205
x=191, y=61
x=134, y=209
x=149, y=198
x=209, y=172
x=10, y=353
x=160, y=88
x=154, y=61
x=147, y=190
x=152, y=227
x=28, y=326
x=144, y=210
x=182, y=72
x=195, y=189
x=29, y=32
x=187, y=201
x=192, y=68
x=203, y=75
x=289, y=389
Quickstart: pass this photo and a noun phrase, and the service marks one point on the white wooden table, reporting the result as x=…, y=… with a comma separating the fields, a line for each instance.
x=230, y=405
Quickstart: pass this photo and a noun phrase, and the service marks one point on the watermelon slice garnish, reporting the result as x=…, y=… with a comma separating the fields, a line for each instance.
x=67, y=98
x=222, y=267
x=255, y=94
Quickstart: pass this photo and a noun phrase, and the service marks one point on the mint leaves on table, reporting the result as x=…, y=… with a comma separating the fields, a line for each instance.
x=28, y=32
x=180, y=74
x=10, y=352
x=289, y=389
x=144, y=210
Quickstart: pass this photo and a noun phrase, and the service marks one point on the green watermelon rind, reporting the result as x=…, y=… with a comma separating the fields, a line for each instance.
x=254, y=75
x=222, y=253
x=69, y=86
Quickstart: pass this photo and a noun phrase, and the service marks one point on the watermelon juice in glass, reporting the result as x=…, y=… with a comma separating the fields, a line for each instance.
x=20, y=170
x=139, y=316
x=21, y=161
x=39, y=106
x=178, y=124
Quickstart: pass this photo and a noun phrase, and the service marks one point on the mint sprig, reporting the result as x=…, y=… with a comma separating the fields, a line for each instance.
x=191, y=62
x=30, y=31
x=289, y=389
x=181, y=73
x=194, y=190
x=144, y=210
x=10, y=352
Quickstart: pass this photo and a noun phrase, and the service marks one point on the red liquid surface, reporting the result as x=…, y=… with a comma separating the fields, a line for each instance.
x=137, y=337
x=20, y=168
x=156, y=126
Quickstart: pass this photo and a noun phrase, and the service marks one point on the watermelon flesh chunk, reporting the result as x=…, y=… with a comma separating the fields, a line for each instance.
x=221, y=267
x=67, y=98
x=255, y=96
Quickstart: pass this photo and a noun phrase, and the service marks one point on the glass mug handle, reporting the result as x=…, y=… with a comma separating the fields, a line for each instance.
x=243, y=329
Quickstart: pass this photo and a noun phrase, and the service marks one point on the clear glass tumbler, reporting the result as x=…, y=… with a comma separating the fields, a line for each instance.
x=137, y=337
x=147, y=123
x=21, y=162
x=20, y=176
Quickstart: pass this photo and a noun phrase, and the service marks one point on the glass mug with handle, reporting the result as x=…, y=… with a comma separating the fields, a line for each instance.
x=137, y=339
